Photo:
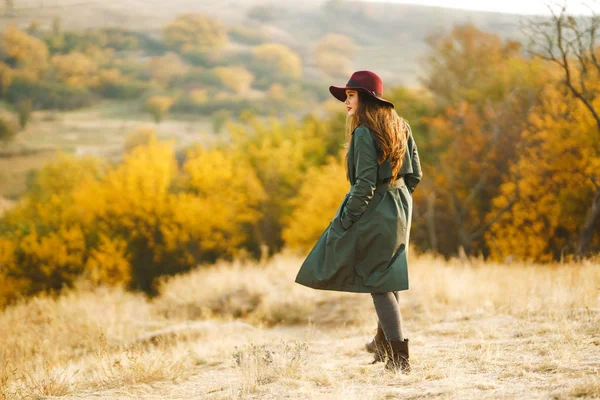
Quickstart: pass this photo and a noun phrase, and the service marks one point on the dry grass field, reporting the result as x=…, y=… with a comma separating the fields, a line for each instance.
x=477, y=331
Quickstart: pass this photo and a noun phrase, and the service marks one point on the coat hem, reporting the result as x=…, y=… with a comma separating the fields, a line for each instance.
x=353, y=289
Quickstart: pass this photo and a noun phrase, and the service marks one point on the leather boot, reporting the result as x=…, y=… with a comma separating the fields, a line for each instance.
x=398, y=360
x=378, y=346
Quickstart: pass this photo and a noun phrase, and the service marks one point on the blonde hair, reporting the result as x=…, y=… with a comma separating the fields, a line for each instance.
x=390, y=131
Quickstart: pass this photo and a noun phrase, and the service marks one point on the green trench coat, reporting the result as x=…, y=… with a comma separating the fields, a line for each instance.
x=364, y=248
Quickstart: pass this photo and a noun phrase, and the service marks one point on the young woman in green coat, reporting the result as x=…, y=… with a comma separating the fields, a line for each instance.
x=364, y=248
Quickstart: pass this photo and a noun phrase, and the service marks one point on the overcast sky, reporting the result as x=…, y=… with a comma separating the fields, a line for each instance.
x=507, y=6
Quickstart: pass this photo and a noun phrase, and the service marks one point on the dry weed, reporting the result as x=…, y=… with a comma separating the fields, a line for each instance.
x=135, y=364
x=7, y=376
x=589, y=389
x=48, y=381
x=263, y=364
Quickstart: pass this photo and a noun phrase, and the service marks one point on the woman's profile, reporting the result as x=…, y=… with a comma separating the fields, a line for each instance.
x=364, y=248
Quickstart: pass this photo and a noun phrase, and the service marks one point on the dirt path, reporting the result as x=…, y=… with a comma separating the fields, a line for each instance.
x=462, y=357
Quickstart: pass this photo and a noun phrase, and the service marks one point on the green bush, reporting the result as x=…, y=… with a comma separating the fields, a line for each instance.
x=122, y=90
x=7, y=130
x=198, y=76
x=23, y=108
x=48, y=95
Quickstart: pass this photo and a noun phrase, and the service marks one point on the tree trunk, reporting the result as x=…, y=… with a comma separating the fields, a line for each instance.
x=589, y=226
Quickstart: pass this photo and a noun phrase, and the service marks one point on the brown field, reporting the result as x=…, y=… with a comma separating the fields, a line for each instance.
x=477, y=331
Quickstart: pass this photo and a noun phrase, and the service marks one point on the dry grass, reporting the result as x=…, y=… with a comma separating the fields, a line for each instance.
x=477, y=331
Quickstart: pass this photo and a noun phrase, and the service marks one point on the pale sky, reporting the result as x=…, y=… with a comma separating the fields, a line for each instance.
x=507, y=6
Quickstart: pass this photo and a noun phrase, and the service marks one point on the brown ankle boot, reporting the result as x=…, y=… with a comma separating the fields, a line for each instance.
x=378, y=346
x=398, y=360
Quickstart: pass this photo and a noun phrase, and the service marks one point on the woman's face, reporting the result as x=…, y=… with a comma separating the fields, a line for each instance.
x=351, y=101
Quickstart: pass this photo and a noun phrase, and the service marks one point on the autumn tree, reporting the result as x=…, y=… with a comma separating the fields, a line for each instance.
x=23, y=109
x=158, y=106
x=195, y=32
x=280, y=152
x=279, y=60
x=572, y=44
x=416, y=106
x=560, y=172
x=75, y=69
x=22, y=51
x=7, y=130
x=322, y=190
x=139, y=137
x=483, y=91
x=46, y=238
x=164, y=68
x=236, y=78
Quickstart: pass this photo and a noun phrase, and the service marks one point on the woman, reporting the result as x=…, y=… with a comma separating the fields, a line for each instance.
x=364, y=248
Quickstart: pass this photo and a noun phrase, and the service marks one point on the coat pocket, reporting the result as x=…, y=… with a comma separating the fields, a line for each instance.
x=336, y=223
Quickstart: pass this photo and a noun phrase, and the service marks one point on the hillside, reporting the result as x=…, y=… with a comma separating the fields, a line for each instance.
x=390, y=37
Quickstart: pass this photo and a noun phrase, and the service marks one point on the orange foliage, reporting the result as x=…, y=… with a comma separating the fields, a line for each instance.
x=560, y=171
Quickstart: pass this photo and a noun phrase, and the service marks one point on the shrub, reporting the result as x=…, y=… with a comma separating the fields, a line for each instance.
x=140, y=137
x=158, y=106
x=7, y=130
x=195, y=32
x=48, y=95
x=23, y=108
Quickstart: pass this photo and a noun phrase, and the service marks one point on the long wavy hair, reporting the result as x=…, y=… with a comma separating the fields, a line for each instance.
x=390, y=130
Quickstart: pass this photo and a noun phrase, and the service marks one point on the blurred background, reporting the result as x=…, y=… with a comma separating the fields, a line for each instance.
x=140, y=139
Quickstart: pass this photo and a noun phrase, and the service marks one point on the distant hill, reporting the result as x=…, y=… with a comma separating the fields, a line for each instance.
x=390, y=37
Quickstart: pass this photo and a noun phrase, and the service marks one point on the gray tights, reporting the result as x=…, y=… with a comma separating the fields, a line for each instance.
x=388, y=314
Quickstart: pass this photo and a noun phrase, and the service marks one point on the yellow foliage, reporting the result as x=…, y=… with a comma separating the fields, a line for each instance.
x=222, y=195
x=236, y=78
x=199, y=96
x=134, y=191
x=193, y=32
x=139, y=137
x=321, y=192
x=167, y=67
x=9, y=286
x=6, y=77
x=75, y=69
x=464, y=62
x=280, y=59
x=110, y=76
x=49, y=201
x=280, y=153
x=49, y=261
x=276, y=92
x=109, y=262
x=100, y=56
x=158, y=106
x=559, y=170
x=145, y=217
x=29, y=52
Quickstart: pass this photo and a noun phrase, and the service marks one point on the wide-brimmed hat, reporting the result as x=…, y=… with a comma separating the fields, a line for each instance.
x=365, y=81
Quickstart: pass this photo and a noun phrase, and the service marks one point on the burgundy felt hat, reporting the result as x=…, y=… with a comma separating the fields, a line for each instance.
x=366, y=81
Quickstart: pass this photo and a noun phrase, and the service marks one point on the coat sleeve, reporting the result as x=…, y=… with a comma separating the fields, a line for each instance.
x=361, y=193
x=413, y=179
